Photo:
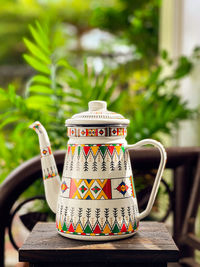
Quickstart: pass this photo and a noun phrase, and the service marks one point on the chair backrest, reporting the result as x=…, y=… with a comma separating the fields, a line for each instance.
x=185, y=163
x=14, y=185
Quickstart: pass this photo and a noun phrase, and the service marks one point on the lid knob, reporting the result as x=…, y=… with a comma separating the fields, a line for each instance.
x=97, y=106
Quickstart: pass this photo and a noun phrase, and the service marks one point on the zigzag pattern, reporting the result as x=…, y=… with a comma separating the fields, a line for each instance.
x=94, y=150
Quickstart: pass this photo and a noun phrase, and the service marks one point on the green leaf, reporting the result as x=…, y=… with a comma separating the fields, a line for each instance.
x=43, y=32
x=64, y=63
x=40, y=89
x=36, y=64
x=38, y=100
x=41, y=79
x=4, y=94
x=9, y=120
x=40, y=39
x=85, y=68
x=36, y=51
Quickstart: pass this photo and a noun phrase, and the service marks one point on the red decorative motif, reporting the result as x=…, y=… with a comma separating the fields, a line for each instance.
x=49, y=149
x=122, y=188
x=111, y=149
x=123, y=229
x=44, y=152
x=86, y=149
x=71, y=228
x=107, y=189
x=101, y=132
x=97, y=230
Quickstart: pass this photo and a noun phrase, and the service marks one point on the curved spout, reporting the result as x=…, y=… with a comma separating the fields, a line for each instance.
x=50, y=173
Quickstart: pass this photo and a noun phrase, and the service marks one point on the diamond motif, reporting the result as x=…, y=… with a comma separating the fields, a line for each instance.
x=83, y=132
x=101, y=132
x=73, y=132
x=91, y=132
x=44, y=151
x=114, y=132
x=82, y=189
x=122, y=188
x=96, y=189
x=64, y=187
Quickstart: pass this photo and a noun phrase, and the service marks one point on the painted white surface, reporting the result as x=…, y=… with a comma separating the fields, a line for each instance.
x=180, y=34
x=163, y=159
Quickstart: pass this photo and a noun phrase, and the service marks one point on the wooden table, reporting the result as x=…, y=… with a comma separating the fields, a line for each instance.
x=151, y=246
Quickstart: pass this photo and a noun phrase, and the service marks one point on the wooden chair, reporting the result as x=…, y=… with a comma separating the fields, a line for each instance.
x=184, y=198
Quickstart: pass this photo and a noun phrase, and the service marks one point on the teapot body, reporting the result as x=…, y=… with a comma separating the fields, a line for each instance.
x=97, y=199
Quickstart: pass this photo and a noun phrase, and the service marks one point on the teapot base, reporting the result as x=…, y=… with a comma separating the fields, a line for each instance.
x=97, y=238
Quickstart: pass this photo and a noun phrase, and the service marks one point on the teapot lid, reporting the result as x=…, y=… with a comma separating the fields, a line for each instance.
x=97, y=115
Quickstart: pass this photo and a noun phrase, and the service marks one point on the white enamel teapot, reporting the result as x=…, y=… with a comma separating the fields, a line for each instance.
x=96, y=199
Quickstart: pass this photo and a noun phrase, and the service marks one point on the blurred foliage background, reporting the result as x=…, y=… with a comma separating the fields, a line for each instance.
x=56, y=56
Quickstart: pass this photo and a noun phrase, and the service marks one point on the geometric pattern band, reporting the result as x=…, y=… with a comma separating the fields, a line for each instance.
x=94, y=150
x=98, y=189
x=96, y=158
x=115, y=221
x=96, y=132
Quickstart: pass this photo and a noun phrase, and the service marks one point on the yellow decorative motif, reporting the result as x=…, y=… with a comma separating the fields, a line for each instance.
x=59, y=226
x=102, y=195
x=95, y=149
x=130, y=228
x=88, y=195
x=118, y=148
x=73, y=149
x=79, y=229
x=106, y=230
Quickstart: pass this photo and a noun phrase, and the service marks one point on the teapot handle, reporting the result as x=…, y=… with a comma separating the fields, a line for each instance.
x=158, y=175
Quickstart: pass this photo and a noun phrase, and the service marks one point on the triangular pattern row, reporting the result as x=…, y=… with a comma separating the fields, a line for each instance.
x=111, y=149
x=95, y=227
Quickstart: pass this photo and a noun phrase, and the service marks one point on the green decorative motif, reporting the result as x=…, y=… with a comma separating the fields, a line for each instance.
x=83, y=188
x=88, y=230
x=64, y=227
x=103, y=149
x=115, y=229
x=96, y=189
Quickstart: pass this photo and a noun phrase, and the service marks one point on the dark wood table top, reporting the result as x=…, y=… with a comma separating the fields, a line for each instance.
x=152, y=243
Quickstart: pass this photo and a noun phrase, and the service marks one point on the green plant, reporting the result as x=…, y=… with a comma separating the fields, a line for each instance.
x=58, y=90
x=157, y=106
x=52, y=95
x=136, y=21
